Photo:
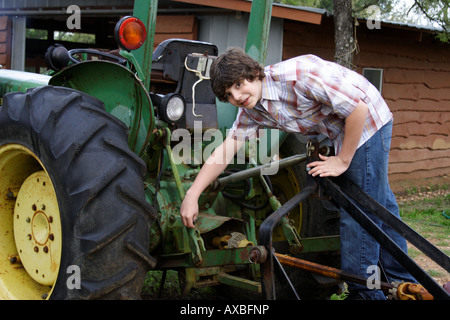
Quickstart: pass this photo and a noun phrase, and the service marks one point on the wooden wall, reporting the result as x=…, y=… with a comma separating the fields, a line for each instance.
x=5, y=42
x=183, y=26
x=416, y=86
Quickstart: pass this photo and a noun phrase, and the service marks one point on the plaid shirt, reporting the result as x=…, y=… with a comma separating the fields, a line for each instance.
x=311, y=96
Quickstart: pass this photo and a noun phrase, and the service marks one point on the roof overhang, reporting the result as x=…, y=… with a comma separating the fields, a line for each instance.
x=309, y=15
x=120, y=7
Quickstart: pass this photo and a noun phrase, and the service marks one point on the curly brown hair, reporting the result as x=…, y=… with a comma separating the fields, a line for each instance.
x=233, y=66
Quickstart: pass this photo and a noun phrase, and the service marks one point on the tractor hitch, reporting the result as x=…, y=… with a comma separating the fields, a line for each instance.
x=352, y=198
x=397, y=290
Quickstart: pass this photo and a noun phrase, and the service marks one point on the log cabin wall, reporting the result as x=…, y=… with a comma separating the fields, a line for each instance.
x=5, y=42
x=415, y=84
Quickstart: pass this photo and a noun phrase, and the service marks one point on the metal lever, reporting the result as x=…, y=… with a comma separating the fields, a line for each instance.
x=255, y=171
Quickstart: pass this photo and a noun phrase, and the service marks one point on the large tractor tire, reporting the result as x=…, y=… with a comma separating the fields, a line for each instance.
x=314, y=217
x=74, y=222
x=318, y=217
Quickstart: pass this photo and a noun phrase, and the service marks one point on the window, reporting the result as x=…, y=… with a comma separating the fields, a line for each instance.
x=375, y=76
x=74, y=37
x=38, y=34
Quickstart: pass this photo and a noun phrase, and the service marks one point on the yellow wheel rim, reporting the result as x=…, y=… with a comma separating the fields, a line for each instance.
x=30, y=226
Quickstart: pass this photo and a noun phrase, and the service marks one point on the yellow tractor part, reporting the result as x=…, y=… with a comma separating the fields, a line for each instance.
x=30, y=226
x=412, y=291
x=286, y=185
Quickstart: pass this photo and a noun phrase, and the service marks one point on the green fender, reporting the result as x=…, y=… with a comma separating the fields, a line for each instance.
x=120, y=90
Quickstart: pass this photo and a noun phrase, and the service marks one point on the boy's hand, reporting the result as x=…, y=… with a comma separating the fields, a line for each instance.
x=213, y=166
x=189, y=211
x=329, y=167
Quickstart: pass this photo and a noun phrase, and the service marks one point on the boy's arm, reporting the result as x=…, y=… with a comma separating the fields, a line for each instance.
x=335, y=166
x=212, y=168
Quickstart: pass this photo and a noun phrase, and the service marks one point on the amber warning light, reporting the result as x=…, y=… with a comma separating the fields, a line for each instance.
x=130, y=33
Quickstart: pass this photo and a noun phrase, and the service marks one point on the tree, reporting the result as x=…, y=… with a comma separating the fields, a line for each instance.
x=437, y=12
x=344, y=39
x=434, y=13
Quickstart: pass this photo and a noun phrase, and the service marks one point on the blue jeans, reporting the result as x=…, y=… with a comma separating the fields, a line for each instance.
x=359, y=251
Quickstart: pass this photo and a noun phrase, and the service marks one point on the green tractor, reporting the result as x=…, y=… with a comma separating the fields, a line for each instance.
x=93, y=171
x=95, y=160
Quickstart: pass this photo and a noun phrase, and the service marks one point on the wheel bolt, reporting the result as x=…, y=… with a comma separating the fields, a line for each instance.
x=10, y=195
x=14, y=259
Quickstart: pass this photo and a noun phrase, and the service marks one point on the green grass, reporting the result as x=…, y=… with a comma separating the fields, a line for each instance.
x=172, y=289
x=429, y=216
x=153, y=281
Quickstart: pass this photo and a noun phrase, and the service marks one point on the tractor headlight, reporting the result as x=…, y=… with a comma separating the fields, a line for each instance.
x=175, y=107
x=171, y=107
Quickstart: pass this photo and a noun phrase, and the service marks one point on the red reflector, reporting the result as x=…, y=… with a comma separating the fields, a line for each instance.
x=130, y=33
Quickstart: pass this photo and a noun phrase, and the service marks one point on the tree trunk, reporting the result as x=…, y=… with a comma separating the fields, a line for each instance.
x=343, y=33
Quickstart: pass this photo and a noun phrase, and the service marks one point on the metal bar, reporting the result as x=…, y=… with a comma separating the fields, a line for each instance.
x=326, y=271
x=348, y=204
x=238, y=282
x=312, y=244
x=283, y=277
x=395, y=223
x=258, y=30
x=265, y=236
x=174, y=167
x=146, y=10
x=211, y=258
x=267, y=226
x=251, y=172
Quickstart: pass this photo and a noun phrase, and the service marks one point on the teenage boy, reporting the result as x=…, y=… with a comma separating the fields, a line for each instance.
x=308, y=95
